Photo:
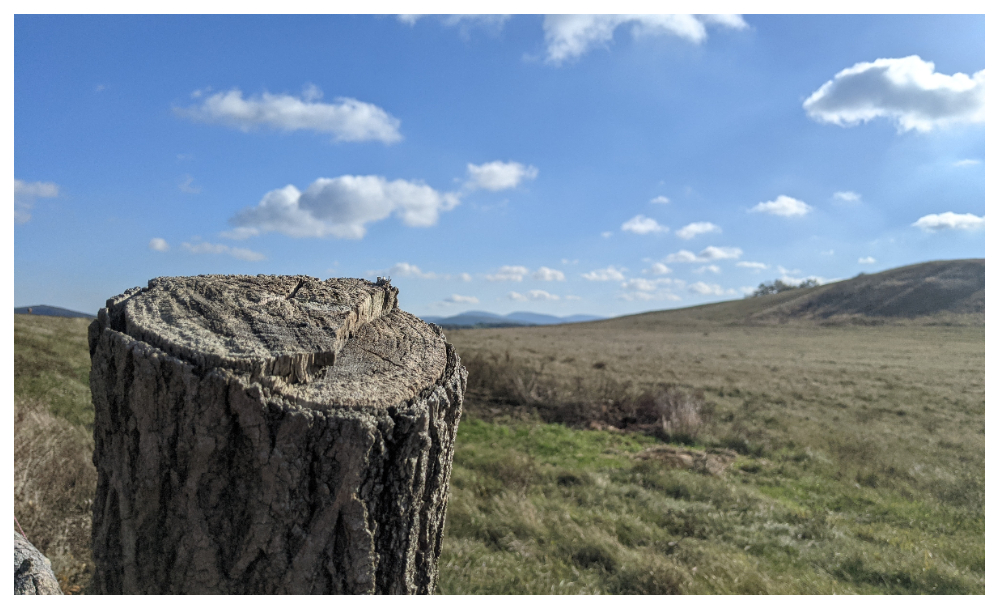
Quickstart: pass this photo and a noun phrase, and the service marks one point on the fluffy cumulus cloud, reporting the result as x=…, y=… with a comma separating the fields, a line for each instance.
x=697, y=228
x=782, y=206
x=202, y=247
x=660, y=200
x=498, y=175
x=341, y=207
x=651, y=285
x=907, y=90
x=610, y=273
x=708, y=254
x=709, y=268
x=158, y=244
x=509, y=273
x=346, y=119
x=949, y=221
x=25, y=195
x=658, y=268
x=640, y=225
x=846, y=196
x=459, y=299
x=532, y=295
x=866, y=260
x=756, y=266
x=547, y=274
x=570, y=36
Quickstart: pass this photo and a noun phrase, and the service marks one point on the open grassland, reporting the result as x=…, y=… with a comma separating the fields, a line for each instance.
x=859, y=468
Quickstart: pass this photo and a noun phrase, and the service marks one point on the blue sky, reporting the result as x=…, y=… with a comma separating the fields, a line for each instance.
x=562, y=165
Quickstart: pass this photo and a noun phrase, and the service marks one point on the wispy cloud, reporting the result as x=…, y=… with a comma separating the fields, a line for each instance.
x=710, y=289
x=347, y=119
x=657, y=268
x=967, y=162
x=660, y=200
x=405, y=269
x=509, y=273
x=610, y=273
x=782, y=206
x=756, y=266
x=570, y=36
x=202, y=247
x=25, y=195
x=846, y=196
x=459, y=299
x=342, y=207
x=709, y=268
x=949, y=221
x=537, y=295
x=866, y=260
x=187, y=186
x=907, y=90
x=706, y=255
x=641, y=225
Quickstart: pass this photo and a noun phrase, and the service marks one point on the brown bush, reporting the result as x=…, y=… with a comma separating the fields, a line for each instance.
x=54, y=484
x=680, y=414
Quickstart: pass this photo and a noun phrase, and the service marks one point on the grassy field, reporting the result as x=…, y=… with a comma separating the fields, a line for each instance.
x=859, y=461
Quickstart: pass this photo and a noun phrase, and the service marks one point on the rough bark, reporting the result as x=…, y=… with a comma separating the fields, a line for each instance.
x=270, y=435
x=32, y=570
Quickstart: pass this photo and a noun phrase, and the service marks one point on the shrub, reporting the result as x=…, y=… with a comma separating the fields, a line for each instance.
x=679, y=414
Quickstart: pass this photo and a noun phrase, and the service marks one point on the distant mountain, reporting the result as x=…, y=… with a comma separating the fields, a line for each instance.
x=50, y=311
x=471, y=319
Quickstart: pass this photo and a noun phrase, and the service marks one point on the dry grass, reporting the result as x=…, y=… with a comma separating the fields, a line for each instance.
x=54, y=483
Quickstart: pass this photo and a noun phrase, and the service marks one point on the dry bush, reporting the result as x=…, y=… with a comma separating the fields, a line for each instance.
x=54, y=484
x=680, y=413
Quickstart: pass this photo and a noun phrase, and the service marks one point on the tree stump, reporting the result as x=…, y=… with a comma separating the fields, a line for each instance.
x=270, y=434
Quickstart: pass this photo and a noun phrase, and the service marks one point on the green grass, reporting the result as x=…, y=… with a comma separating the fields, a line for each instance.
x=861, y=463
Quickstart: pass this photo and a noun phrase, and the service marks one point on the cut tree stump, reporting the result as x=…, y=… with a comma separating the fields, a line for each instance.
x=270, y=434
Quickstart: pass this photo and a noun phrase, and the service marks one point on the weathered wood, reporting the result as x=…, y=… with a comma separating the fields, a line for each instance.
x=270, y=435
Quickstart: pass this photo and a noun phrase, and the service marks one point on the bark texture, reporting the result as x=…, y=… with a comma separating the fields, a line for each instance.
x=270, y=435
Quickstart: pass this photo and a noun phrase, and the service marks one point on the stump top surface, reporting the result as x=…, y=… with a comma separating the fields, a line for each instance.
x=267, y=324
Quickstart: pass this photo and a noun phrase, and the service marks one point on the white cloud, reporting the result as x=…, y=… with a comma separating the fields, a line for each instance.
x=341, y=207
x=25, y=194
x=517, y=296
x=756, y=266
x=405, y=269
x=949, y=221
x=713, y=268
x=541, y=295
x=866, y=260
x=697, y=228
x=498, y=175
x=708, y=254
x=846, y=196
x=660, y=200
x=610, y=273
x=907, y=90
x=606, y=234
x=570, y=36
x=464, y=276
x=509, y=273
x=547, y=274
x=967, y=162
x=158, y=244
x=789, y=277
x=658, y=268
x=241, y=253
x=650, y=285
x=719, y=253
x=782, y=206
x=347, y=119
x=458, y=299
x=464, y=22
x=828, y=252
x=187, y=186
x=712, y=289
x=640, y=225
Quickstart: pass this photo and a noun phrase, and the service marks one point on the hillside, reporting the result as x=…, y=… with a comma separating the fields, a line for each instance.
x=950, y=292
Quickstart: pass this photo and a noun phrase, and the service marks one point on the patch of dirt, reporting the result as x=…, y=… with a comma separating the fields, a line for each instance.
x=714, y=461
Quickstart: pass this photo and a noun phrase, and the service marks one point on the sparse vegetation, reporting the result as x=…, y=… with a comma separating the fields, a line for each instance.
x=858, y=465
x=777, y=286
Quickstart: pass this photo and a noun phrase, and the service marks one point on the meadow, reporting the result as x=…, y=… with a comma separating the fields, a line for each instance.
x=855, y=456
